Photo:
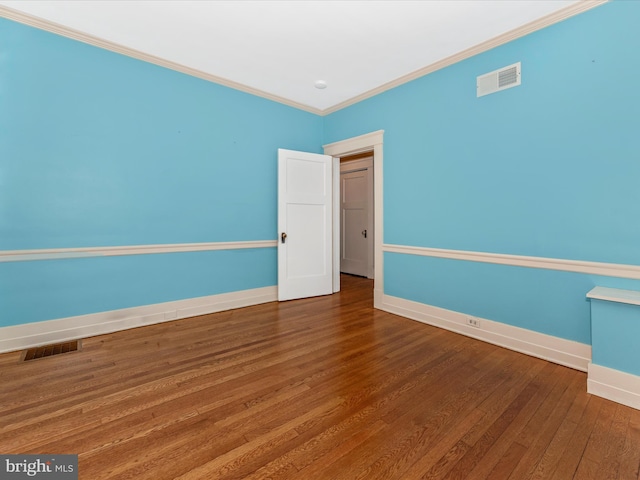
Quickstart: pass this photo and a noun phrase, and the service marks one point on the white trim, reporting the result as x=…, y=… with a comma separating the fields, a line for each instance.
x=378, y=226
x=560, y=15
x=370, y=141
x=18, y=337
x=351, y=146
x=336, y=224
x=630, y=297
x=579, y=266
x=614, y=385
x=68, y=32
x=61, y=253
x=558, y=350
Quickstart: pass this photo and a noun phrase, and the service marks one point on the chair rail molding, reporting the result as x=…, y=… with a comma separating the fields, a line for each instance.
x=566, y=265
x=86, y=252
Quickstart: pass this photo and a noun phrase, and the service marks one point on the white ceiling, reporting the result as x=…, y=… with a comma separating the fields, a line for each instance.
x=283, y=47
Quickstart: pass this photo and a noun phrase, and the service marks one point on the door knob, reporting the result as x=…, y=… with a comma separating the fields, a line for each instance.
x=364, y=233
x=283, y=237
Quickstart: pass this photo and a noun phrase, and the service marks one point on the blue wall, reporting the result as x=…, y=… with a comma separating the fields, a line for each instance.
x=616, y=329
x=98, y=149
x=548, y=169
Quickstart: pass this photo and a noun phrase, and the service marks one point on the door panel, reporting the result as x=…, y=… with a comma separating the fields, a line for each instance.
x=305, y=177
x=305, y=234
x=354, y=245
x=354, y=187
x=305, y=217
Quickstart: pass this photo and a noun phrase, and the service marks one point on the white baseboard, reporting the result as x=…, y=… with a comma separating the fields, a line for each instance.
x=614, y=385
x=558, y=350
x=378, y=297
x=29, y=335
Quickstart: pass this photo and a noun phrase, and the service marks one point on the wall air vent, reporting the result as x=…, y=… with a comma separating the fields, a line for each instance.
x=500, y=79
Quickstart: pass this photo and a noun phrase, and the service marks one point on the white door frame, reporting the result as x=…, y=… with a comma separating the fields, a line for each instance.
x=369, y=142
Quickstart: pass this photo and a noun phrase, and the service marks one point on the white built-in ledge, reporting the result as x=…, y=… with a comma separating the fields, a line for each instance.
x=613, y=350
x=630, y=297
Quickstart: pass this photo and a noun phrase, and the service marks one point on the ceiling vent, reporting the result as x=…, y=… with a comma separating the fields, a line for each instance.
x=500, y=79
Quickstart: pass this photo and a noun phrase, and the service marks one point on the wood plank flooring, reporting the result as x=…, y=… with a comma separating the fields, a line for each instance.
x=322, y=388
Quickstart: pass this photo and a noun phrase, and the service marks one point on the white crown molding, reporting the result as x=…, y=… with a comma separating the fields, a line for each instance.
x=507, y=37
x=62, y=253
x=526, y=29
x=68, y=32
x=554, y=349
x=579, y=266
x=18, y=337
x=614, y=385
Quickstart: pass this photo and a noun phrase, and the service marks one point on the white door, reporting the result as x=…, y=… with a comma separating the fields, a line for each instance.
x=304, y=225
x=354, y=231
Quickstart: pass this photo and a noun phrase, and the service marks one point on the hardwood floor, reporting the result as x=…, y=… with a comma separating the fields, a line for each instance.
x=322, y=388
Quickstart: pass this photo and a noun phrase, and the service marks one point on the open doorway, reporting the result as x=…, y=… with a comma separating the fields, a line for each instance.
x=369, y=142
x=357, y=215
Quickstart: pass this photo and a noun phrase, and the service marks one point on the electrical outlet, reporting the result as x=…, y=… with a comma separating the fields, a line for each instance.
x=473, y=322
